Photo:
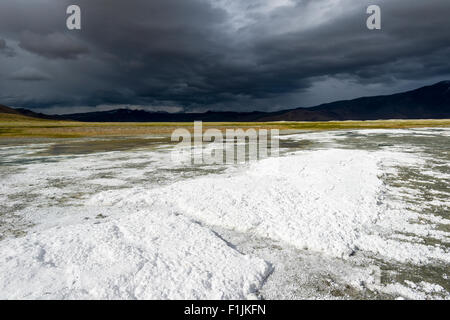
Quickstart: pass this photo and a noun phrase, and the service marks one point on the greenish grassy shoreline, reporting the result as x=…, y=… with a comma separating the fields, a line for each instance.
x=16, y=126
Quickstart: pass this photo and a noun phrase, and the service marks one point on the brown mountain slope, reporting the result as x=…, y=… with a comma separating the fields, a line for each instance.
x=5, y=109
x=8, y=114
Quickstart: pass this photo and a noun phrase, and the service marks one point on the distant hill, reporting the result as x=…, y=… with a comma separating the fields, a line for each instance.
x=24, y=113
x=127, y=115
x=430, y=102
x=9, y=114
x=5, y=109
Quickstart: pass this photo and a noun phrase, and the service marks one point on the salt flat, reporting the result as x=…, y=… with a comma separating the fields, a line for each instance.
x=342, y=214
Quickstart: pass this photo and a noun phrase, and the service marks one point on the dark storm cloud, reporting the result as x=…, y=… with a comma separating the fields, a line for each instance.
x=53, y=45
x=222, y=54
x=29, y=74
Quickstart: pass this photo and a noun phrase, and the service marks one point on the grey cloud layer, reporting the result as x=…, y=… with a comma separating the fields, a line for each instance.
x=29, y=74
x=224, y=54
x=53, y=46
x=5, y=49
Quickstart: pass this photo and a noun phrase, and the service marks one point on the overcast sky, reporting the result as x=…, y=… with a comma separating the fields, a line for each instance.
x=198, y=55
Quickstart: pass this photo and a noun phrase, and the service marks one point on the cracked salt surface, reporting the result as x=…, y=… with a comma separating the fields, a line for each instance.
x=342, y=216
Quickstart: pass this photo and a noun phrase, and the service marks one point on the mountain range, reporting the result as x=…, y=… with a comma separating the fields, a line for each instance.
x=430, y=102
